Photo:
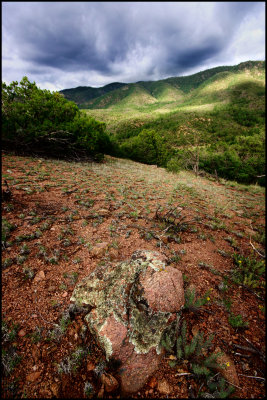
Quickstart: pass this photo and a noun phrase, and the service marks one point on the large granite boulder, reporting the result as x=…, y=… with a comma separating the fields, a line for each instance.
x=130, y=306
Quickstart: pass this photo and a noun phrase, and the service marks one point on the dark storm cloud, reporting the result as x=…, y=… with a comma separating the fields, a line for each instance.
x=110, y=40
x=191, y=57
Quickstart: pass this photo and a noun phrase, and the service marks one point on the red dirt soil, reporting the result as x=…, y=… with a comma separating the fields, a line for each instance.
x=70, y=208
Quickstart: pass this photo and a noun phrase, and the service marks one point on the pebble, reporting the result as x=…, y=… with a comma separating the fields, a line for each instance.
x=111, y=383
x=90, y=366
x=33, y=376
x=153, y=382
x=164, y=387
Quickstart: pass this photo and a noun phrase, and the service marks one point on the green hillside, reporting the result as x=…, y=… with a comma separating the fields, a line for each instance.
x=83, y=94
x=169, y=90
x=212, y=121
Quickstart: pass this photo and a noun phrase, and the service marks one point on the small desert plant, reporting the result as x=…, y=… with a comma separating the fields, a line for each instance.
x=71, y=363
x=24, y=249
x=45, y=226
x=218, y=387
x=7, y=227
x=232, y=242
x=193, y=304
x=21, y=259
x=66, y=242
x=21, y=238
x=100, y=368
x=8, y=333
x=10, y=359
x=36, y=336
x=248, y=271
x=7, y=263
x=223, y=253
x=195, y=351
x=236, y=321
x=28, y=273
x=88, y=389
x=35, y=220
x=60, y=328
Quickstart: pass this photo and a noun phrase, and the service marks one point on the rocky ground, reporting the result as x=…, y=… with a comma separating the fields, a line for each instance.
x=62, y=220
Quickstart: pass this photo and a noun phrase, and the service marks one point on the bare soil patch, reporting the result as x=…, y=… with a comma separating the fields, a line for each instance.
x=57, y=216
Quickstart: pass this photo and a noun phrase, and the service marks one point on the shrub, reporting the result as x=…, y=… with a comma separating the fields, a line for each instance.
x=174, y=165
x=195, y=351
x=147, y=147
x=40, y=121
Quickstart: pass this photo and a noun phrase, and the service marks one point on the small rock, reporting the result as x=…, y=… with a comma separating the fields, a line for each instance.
x=103, y=212
x=39, y=276
x=245, y=366
x=55, y=389
x=153, y=382
x=35, y=353
x=113, y=254
x=228, y=369
x=195, y=330
x=51, y=289
x=99, y=249
x=90, y=366
x=100, y=394
x=33, y=376
x=164, y=387
x=111, y=383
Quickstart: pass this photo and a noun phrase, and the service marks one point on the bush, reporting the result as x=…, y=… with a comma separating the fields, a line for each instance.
x=147, y=147
x=174, y=165
x=39, y=121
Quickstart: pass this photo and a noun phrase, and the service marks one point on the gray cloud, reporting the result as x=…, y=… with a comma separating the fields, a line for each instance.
x=63, y=44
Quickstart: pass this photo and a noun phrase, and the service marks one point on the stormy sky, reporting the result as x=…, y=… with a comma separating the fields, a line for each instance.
x=63, y=45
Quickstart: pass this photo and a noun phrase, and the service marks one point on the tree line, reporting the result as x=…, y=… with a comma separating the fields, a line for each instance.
x=40, y=122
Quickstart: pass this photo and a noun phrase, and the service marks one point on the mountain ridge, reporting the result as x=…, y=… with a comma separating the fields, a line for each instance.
x=175, y=88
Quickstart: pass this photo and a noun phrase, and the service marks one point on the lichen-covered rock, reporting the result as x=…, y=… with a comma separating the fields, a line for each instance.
x=130, y=306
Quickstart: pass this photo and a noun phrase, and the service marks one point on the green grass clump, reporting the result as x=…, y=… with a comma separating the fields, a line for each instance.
x=7, y=228
x=10, y=358
x=236, y=321
x=248, y=271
